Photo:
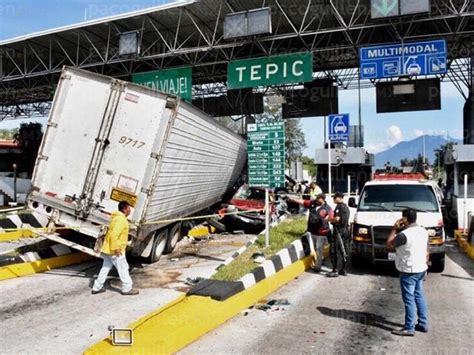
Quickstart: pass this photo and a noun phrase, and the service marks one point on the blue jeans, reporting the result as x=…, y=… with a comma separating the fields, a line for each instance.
x=414, y=299
x=320, y=241
x=120, y=263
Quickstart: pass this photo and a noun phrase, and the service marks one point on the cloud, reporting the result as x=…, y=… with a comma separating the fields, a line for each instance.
x=394, y=135
x=377, y=147
x=419, y=132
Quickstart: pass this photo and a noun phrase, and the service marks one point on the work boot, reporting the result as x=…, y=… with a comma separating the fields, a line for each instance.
x=94, y=292
x=404, y=332
x=419, y=328
x=343, y=272
x=132, y=292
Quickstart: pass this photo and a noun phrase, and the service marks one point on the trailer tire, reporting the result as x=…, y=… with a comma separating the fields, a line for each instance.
x=356, y=261
x=159, y=245
x=174, y=236
x=437, y=266
x=220, y=227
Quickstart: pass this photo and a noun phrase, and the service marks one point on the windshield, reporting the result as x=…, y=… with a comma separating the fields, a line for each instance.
x=250, y=193
x=398, y=197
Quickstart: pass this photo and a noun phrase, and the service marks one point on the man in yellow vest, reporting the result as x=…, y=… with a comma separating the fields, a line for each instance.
x=113, y=252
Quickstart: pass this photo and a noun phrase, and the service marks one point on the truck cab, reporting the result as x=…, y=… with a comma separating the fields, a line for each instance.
x=380, y=205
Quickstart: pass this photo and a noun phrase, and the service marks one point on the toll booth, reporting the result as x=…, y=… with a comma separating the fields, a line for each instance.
x=355, y=162
x=459, y=163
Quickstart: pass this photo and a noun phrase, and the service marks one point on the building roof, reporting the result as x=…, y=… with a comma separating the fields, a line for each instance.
x=190, y=33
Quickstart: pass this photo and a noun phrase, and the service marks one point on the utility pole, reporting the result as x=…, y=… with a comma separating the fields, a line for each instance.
x=424, y=152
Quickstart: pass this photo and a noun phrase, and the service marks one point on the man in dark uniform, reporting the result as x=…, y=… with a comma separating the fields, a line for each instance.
x=318, y=224
x=340, y=241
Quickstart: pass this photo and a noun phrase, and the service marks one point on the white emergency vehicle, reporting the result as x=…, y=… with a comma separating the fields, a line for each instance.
x=380, y=205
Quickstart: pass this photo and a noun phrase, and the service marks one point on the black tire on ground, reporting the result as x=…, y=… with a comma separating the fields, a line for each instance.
x=159, y=245
x=174, y=236
x=220, y=227
x=356, y=261
x=437, y=265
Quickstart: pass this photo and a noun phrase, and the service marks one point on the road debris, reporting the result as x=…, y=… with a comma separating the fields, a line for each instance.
x=274, y=305
x=193, y=281
x=258, y=257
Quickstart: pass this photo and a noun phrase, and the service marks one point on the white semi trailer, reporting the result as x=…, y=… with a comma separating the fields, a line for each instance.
x=108, y=140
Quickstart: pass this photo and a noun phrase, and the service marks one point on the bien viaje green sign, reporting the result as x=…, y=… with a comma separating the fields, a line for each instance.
x=265, y=71
x=176, y=81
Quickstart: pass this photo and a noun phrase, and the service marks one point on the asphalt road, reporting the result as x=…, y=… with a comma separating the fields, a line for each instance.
x=54, y=312
x=354, y=315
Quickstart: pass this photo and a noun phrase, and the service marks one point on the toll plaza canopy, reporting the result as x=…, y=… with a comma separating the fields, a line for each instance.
x=191, y=34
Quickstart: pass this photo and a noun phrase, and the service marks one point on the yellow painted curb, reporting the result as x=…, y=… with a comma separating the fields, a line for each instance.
x=19, y=234
x=187, y=319
x=24, y=269
x=464, y=244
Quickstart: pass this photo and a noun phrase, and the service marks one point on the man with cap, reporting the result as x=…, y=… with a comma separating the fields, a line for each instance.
x=318, y=224
x=340, y=241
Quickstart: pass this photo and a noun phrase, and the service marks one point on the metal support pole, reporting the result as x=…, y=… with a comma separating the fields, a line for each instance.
x=464, y=216
x=329, y=168
x=267, y=219
x=348, y=186
x=14, y=182
x=360, y=143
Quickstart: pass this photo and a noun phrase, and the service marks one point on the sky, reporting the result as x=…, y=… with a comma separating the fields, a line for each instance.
x=382, y=131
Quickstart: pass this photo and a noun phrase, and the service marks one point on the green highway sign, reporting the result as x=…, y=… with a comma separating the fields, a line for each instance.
x=275, y=70
x=172, y=81
x=266, y=154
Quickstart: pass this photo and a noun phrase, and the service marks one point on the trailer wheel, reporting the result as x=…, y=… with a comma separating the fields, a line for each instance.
x=437, y=265
x=174, y=237
x=159, y=245
x=356, y=261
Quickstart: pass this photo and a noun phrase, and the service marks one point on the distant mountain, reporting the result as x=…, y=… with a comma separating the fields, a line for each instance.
x=411, y=149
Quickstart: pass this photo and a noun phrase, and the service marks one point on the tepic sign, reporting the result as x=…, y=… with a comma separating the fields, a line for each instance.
x=276, y=70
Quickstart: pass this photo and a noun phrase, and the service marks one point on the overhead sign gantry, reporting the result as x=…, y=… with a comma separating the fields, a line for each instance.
x=191, y=34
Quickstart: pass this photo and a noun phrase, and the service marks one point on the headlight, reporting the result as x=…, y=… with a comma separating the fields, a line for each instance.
x=431, y=232
x=363, y=231
x=435, y=232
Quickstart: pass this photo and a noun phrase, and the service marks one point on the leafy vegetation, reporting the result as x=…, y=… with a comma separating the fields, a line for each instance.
x=280, y=237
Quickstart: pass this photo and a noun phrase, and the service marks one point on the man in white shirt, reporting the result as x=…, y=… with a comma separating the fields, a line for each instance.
x=411, y=244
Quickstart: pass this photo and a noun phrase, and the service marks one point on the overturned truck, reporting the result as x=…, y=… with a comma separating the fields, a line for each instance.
x=108, y=140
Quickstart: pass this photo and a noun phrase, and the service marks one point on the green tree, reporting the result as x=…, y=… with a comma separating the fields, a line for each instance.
x=309, y=164
x=417, y=163
x=29, y=139
x=8, y=133
x=440, y=153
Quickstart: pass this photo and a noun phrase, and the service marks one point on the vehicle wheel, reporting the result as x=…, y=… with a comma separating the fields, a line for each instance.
x=437, y=265
x=220, y=227
x=159, y=245
x=174, y=236
x=356, y=261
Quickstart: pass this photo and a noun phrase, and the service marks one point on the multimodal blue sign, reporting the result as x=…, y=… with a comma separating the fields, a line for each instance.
x=339, y=127
x=412, y=59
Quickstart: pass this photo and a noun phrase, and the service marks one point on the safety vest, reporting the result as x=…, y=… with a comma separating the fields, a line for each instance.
x=411, y=257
